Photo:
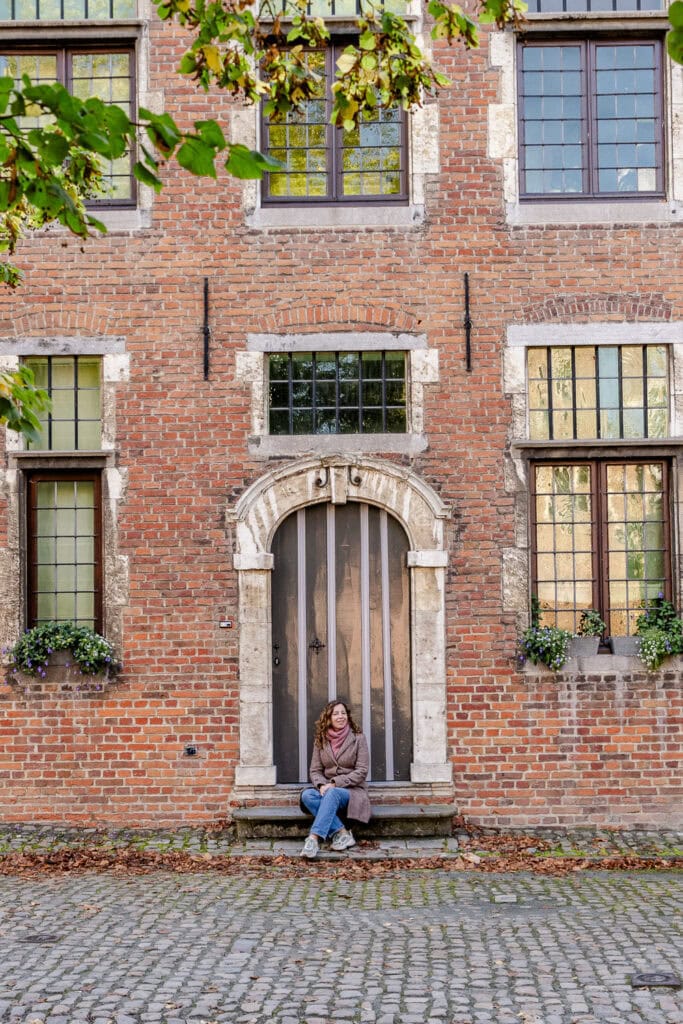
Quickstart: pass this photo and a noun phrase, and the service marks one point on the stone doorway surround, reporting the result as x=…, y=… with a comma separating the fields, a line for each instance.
x=423, y=515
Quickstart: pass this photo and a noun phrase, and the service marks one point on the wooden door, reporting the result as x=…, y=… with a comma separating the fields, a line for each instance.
x=341, y=628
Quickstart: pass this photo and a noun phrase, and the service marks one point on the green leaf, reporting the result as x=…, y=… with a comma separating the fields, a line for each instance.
x=211, y=133
x=367, y=40
x=675, y=14
x=198, y=158
x=248, y=163
x=674, y=44
x=147, y=177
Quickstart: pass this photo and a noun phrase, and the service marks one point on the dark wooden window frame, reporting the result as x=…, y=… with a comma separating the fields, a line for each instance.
x=63, y=49
x=383, y=381
x=334, y=151
x=538, y=7
x=588, y=43
x=599, y=523
x=34, y=477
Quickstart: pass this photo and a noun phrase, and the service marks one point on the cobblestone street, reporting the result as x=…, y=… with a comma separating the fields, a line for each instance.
x=415, y=947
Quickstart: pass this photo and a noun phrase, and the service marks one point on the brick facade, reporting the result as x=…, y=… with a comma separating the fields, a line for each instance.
x=526, y=747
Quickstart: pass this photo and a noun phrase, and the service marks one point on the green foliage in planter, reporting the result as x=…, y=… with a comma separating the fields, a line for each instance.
x=591, y=624
x=660, y=631
x=91, y=652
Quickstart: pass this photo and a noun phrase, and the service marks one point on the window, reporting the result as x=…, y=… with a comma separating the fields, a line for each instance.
x=590, y=118
x=337, y=392
x=87, y=71
x=606, y=391
x=64, y=548
x=592, y=6
x=64, y=507
x=66, y=10
x=601, y=532
x=600, y=526
x=324, y=164
x=73, y=383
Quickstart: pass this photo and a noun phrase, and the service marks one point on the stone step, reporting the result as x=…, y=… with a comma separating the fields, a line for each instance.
x=278, y=821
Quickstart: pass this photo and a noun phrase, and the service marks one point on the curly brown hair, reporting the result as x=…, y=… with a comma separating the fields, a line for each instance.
x=325, y=721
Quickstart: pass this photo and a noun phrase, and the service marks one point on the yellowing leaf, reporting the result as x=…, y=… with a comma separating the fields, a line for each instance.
x=346, y=63
x=213, y=58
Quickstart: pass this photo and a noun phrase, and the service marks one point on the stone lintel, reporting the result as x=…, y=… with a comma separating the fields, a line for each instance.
x=258, y=561
x=427, y=559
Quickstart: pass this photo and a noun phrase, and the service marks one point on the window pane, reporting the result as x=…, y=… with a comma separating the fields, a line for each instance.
x=63, y=570
x=636, y=539
x=563, y=543
x=74, y=421
x=337, y=392
x=551, y=130
x=592, y=392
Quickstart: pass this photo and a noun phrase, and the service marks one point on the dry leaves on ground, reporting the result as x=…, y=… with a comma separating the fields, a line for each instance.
x=136, y=862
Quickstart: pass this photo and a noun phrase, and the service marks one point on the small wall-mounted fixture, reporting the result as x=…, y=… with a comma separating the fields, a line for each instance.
x=225, y=624
x=190, y=750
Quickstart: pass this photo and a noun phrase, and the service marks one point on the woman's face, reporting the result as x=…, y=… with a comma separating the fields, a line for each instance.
x=339, y=716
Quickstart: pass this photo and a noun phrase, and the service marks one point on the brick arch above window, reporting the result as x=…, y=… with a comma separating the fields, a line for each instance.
x=648, y=306
x=337, y=316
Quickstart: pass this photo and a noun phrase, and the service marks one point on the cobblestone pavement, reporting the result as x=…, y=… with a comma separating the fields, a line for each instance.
x=412, y=947
x=590, y=842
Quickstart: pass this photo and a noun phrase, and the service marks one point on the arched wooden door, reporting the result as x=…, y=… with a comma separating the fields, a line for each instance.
x=341, y=628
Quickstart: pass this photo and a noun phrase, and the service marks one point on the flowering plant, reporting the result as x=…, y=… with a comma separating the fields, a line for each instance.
x=660, y=631
x=545, y=644
x=91, y=652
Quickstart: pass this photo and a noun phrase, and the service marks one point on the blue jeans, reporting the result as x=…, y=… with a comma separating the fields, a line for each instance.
x=325, y=810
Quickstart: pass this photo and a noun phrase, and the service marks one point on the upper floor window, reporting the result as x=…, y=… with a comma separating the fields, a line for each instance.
x=73, y=383
x=592, y=6
x=66, y=10
x=337, y=392
x=590, y=119
x=606, y=391
x=325, y=164
x=87, y=71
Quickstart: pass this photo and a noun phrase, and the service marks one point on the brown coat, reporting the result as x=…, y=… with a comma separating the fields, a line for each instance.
x=348, y=770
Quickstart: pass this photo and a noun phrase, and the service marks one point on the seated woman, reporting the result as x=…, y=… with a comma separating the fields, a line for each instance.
x=339, y=769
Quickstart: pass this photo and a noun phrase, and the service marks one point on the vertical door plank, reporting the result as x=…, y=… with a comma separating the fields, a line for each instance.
x=285, y=649
x=378, y=761
x=347, y=531
x=399, y=606
x=316, y=615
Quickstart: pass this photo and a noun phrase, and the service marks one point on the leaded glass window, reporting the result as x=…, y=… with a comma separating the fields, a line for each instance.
x=67, y=10
x=593, y=6
x=105, y=74
x=64, y=542
x=606, y=392
x=73, y=383
x=322, y=163
x=590, y=118
x=601, y=540
x=337, y=392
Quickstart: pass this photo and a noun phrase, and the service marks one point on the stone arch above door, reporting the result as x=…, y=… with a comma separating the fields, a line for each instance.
x=257, y=515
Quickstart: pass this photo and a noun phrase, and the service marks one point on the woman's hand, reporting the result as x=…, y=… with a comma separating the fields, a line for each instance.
x=324, y=789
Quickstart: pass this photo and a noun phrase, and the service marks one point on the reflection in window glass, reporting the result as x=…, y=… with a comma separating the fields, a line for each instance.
x=600, y=541
x=63, y=543
x=73, y=383
x=337, y=393
x=590, y=118
x=606, y=391
x=67, y=10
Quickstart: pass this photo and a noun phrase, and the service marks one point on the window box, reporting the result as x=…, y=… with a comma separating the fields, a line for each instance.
x=625, y=646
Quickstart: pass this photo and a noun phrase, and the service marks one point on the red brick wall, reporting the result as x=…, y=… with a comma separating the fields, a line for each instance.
x=525, y=749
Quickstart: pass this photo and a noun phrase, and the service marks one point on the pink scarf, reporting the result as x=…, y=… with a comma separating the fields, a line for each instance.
x=337, y=738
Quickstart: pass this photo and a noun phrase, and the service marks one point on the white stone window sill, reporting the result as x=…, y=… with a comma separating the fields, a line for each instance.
x=550, y=214
x=272, y=447
x=340, y=216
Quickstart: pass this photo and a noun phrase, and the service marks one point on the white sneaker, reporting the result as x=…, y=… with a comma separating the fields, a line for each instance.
x=311, y=847
x=342, y=840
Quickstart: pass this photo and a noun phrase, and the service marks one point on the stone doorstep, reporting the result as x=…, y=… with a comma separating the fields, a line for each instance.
x=388, y=820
